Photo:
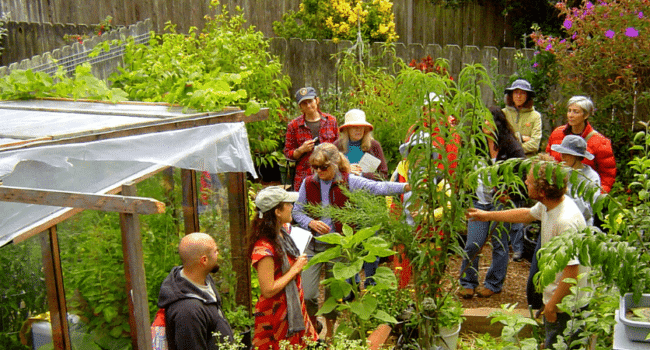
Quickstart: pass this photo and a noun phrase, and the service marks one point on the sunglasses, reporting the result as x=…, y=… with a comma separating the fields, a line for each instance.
x=321, y=167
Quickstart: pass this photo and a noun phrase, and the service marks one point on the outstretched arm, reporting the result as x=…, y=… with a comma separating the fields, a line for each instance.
x=521, y=215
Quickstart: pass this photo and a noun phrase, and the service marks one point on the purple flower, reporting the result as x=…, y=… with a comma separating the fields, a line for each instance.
x=562, y=41
x=535, y=65
x=589, y=5
x=568, y=24
x=548, y=47
x=640, y=14
x=574, y=36
x=610, y=33
x=536, y=53
x=631, y=32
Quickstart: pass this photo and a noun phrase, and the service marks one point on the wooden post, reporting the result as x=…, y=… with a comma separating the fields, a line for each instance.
x=55, y=291
x=239, y=224
x=190, y=201
x=136, y=285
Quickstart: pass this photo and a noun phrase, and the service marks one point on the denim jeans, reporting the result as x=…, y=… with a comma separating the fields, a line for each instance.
x=517, y=237
x=477, y=232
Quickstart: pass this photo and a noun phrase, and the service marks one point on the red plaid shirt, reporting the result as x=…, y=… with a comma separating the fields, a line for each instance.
x=298, y=132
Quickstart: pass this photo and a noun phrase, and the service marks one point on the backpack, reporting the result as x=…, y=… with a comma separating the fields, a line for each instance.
x=158, y=335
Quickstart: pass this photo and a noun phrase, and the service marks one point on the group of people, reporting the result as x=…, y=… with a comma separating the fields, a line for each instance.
x=328, y=160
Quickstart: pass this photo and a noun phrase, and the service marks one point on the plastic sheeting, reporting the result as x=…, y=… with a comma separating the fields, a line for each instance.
x=95, y=167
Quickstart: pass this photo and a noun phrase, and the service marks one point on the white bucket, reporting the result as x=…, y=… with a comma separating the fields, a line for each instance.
x=449, y=337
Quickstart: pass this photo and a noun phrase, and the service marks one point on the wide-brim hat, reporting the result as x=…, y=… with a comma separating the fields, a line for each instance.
x=355, y=117
x=271, y=196
x=574, y=145
x=521, y=84
x=306, y=93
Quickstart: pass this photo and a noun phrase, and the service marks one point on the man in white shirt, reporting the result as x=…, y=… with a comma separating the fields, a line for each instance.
x=558, y=215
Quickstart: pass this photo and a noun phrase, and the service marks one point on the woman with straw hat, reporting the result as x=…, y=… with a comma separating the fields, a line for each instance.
x=355, y=140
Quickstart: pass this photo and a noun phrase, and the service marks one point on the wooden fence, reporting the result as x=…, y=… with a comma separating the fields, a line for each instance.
x=417, y=21
x=70, y=56
x=307, y=62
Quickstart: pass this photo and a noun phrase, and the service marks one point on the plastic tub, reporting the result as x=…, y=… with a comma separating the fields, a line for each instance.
x=634, y=330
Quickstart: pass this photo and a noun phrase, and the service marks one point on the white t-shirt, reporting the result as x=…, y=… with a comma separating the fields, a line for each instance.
x=563, y=218
x=591, y=176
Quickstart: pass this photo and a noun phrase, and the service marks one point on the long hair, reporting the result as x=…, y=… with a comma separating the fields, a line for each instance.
x=327, y=153
x=503, y=133
x=511, y=102
x=344, y=140
x=265, y=227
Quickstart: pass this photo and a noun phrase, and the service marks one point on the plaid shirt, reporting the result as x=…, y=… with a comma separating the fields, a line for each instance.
x=298, y=132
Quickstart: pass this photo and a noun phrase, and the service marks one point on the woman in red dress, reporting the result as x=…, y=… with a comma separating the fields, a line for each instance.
x=280, y=313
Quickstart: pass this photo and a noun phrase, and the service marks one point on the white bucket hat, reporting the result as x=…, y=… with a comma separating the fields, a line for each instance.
x=574, y=145
x=271, y=196
x=355, y=117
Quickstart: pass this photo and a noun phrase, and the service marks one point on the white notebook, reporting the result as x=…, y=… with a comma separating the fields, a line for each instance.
x=301, y=237
x=369, y=163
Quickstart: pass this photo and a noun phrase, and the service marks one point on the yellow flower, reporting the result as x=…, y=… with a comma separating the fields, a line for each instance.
x=335, y=40
x=398, y=268
x=383, y=29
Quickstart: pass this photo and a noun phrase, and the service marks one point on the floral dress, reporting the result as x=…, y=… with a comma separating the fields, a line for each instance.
x=271, y=322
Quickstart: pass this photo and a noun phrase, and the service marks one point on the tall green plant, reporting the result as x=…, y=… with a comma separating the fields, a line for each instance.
x=439, y=183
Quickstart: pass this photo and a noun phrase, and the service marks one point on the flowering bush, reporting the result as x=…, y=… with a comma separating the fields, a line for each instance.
x=340, y=20
x=604, y=54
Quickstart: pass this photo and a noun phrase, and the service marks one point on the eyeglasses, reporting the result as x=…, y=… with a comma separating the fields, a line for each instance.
x=321, y=167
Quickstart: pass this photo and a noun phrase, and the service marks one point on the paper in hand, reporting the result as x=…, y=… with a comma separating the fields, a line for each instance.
x=369, y=163
x=301, y=238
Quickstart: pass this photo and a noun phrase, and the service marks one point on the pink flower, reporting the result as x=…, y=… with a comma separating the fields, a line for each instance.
x=535, y=65
x=640, y=14
x=548, y=47
x=568, y=24
x=610, y=33
x=574, y=36
x=589, y=5
x=631, y=32
x=562, y=41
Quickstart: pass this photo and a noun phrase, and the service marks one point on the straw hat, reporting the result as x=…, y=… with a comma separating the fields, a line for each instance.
x=355, y=117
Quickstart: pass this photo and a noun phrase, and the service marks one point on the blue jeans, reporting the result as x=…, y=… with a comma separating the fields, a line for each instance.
x=477, y=232
x=517, y=237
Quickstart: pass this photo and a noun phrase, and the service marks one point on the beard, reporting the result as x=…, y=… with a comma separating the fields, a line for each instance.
x=215, y=268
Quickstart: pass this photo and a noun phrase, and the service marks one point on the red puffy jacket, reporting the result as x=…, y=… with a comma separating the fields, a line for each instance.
x=598, y=145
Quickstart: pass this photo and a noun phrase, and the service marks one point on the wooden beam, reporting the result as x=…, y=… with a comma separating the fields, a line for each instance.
x=102, y=202
x=136, y=284
x=239, y=226
x=55, y=289
x=149, y=127
x=190, y=201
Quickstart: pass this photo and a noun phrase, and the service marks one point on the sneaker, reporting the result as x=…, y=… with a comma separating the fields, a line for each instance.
x=517, y=256
x=483, y=292
x=466, y=293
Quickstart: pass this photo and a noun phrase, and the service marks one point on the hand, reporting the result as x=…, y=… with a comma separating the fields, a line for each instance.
x=306, y=147
x=355, y=169
x=319, y=226
x=300, y=263
x=476, y=214
x=550, y=312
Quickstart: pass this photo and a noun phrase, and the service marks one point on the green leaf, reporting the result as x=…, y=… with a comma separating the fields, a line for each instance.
x=328, y=306
x=331, y=238
x=252, y=107
x=344, y=271
x=325, y=256
x=384, y=317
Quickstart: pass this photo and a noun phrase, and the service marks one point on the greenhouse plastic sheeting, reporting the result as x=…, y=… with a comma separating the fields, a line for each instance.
x=96, y=167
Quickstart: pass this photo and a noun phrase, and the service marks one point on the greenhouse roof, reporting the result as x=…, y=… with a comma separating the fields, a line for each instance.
x=95, y=147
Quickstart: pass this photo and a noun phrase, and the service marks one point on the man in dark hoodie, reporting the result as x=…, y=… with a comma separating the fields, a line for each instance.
x=190, y=299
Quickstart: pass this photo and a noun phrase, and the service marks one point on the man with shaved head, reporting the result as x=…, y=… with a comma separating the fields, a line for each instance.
x=192, y=304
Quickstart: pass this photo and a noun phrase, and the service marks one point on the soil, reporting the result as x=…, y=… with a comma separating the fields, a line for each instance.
x=514, y=287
